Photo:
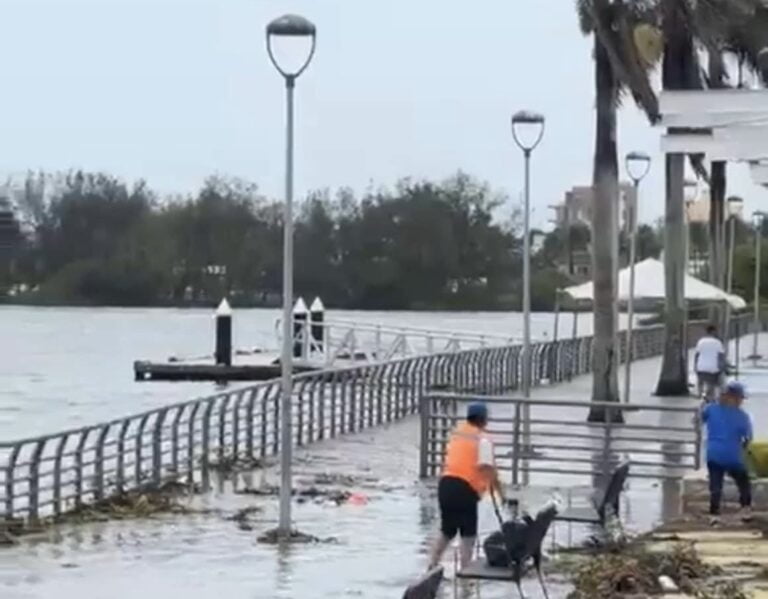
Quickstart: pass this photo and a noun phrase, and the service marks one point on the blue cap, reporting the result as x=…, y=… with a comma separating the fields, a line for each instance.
x=735, y=388
x=477, y=409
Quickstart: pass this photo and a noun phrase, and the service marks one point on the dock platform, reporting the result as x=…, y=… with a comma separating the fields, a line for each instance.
x=205, y=371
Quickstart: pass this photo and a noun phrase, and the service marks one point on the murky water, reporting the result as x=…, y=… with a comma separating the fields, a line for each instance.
x=380, y=547
x=63, y=368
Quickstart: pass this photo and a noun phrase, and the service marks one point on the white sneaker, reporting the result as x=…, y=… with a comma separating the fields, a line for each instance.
x=714, y=521
x=745, y=514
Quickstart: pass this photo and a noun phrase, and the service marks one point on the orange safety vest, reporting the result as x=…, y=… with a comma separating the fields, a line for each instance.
x=461, y=457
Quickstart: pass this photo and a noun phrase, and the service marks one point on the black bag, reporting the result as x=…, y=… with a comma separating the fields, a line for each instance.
x=501, y=546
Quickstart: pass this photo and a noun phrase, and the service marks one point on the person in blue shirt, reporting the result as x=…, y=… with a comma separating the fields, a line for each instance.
x=729, y=430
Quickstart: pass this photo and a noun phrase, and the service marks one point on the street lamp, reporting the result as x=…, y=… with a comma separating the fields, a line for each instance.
x=735, y=208
x=288, y=27
x=757, y=220
x=637, y=164
x=527, y=131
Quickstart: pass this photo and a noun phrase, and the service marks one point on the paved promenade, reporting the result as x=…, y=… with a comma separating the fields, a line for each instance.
x=378, y=544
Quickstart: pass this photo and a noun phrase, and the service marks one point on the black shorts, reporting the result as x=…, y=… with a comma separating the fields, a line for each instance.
x=458, y=507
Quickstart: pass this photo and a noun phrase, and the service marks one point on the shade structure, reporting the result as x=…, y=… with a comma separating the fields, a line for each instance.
x=649, y=285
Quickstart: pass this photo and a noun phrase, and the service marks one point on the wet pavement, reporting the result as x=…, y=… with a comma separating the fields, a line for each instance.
x=379, y=546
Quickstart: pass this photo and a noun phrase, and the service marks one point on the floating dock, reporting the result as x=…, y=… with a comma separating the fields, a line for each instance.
x=207, y=371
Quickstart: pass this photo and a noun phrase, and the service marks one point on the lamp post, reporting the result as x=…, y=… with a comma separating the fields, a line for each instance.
x=735, y=207
x=691, y=190
x=288, y=27
x=527, y=131
x=757, y=219
x=637, y=164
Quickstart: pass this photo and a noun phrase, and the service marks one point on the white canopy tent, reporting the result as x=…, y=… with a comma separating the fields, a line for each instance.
x=649, y=285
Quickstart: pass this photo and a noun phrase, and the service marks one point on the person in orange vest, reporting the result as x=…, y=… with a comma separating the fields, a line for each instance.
x=469, y=471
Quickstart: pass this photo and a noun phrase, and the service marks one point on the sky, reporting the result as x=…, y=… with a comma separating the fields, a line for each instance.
x=173, y=91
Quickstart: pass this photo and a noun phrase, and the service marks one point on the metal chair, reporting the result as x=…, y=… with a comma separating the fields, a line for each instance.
x=521, y=554
x=607, y=504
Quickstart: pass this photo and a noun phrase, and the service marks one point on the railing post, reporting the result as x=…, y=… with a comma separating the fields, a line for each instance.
x=34, y=480
x=236, y=425
x=206, y=445
x=516, y=445
x=138, y=466
x=334, y=382
x=57, y=474
x=250, y=422
x=175, y=438
x=157, y=448
x=222, y=441
x=424, y=450
x=10, y=479
x=120, y=474
x=191, y=443
x=606, y=470
x=98, y=464
x=79, y=466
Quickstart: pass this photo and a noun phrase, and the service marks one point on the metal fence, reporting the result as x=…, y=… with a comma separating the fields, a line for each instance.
x=659, y=441
x=52, y=474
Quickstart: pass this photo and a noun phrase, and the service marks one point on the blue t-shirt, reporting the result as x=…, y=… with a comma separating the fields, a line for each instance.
x=728, y=428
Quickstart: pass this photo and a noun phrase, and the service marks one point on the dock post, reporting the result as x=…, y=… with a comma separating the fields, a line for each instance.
x=300, y=328
x=224, y=334
x=316, y=318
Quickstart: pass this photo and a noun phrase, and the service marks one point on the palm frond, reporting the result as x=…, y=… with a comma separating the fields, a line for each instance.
x=584, y=12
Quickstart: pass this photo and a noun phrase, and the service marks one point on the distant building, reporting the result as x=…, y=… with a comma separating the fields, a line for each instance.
x=577, y=206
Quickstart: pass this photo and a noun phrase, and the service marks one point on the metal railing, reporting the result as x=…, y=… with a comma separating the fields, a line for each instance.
x=49, y=475
x=338, y=341
x=659, y=441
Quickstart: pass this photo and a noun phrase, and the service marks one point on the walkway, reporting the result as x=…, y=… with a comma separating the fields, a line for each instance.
x=380, y=546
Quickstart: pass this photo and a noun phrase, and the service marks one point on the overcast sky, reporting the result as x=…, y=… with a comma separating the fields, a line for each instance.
x=175, y=90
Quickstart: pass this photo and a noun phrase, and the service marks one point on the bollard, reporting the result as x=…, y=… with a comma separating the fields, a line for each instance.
x=316, y=318
x=300, y=314
x=224, y=334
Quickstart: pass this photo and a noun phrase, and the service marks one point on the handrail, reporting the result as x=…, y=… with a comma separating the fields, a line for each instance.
x=183, y=441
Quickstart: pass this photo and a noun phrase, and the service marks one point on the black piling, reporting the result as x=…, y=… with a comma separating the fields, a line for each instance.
x=224, y=334
x=300, y=315
x=316, y=318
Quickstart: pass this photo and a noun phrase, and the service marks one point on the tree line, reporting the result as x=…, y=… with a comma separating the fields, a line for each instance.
x=96, y=240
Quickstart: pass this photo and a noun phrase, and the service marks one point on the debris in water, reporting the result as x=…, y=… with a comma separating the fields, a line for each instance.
x=273, y=537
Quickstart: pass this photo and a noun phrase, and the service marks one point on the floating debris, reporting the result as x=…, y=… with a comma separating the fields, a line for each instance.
x=274, y=537
x=337, y=496
x=232, y=464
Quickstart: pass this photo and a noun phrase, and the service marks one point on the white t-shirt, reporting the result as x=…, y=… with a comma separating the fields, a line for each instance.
x=708, y=350
x=485, y=452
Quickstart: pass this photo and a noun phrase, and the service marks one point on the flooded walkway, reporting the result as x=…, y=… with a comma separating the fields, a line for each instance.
x=375, y=548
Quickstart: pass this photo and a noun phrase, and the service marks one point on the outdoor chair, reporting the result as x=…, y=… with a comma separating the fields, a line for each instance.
x=602, y=504
x=426, y=587
x=522, y=555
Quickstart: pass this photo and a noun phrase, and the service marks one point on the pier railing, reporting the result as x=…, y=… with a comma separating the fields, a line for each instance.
x=658, y=441
x=335, y=342
x=52, y=474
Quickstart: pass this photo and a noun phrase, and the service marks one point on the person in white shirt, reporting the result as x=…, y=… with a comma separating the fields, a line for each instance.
x=710, y=362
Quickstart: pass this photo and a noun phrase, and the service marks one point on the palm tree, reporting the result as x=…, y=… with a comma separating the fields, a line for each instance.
x=615, y=25
x=617, y=62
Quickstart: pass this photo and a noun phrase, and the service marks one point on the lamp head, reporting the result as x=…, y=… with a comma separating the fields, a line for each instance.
x=527, y=129
x=298, y=29
x=735, y=206
x=638, y=164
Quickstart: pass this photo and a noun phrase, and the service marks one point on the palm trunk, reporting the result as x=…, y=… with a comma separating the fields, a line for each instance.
x=678, y=72
x=717, y=201
x=604, y=210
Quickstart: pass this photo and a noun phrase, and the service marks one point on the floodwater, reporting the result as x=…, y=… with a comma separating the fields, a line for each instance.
x=74, y=366
x=67, y=367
